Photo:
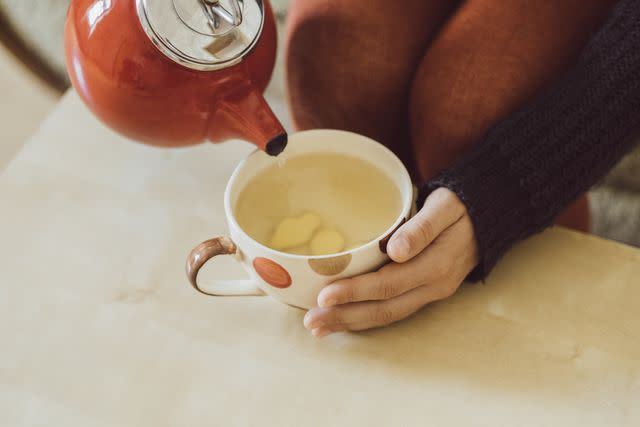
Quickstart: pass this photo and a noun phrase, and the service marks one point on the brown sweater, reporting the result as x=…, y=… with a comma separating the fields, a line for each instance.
x=531, y=165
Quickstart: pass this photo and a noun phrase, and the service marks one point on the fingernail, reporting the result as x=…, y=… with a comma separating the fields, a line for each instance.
x=315, y=325
x=307, y=320
x=321, y=332
x=327, y=303
x=399, y=245
x=310, y=324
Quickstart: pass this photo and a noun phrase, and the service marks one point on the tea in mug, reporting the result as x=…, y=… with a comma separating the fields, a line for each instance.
x=318, y=204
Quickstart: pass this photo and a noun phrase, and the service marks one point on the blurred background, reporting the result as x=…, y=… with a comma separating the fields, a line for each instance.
x=33, y=78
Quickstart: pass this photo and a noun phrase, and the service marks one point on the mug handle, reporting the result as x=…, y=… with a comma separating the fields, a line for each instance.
x=208, y=250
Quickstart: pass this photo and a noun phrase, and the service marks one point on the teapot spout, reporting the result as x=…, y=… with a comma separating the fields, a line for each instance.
x=277, y=144
x=245, y=114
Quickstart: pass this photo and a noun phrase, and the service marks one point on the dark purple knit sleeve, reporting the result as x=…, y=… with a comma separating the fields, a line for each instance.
x=533, y=164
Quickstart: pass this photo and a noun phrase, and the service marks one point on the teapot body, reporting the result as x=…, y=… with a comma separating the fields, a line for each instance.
x=143, y=94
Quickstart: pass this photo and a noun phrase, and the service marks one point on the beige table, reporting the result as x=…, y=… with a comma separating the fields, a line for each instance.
x=99, y=328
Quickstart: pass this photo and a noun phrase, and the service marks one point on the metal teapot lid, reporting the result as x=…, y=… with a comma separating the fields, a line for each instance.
x=203, y=34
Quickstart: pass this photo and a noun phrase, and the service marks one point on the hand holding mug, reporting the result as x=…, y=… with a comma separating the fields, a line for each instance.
x=432, y=254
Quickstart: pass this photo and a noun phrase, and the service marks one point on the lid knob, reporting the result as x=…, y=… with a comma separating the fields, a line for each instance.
x=215, y=11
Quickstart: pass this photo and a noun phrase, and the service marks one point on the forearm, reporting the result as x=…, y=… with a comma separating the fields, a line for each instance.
x=534, y=163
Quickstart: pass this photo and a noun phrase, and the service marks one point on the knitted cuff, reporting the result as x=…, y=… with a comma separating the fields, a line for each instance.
x=501, y=212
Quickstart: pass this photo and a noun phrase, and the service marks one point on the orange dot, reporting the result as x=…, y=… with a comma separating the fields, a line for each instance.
x=272, y=273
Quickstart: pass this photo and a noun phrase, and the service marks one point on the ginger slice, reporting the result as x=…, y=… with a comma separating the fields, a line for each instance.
x=327, y=242
x=294, y=232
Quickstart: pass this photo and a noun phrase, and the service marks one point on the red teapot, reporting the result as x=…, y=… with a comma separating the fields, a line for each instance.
x=176, y=72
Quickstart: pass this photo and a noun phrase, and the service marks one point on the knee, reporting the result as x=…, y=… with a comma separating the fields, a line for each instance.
x=339, y=72
x=439, y=128
x=309, y=61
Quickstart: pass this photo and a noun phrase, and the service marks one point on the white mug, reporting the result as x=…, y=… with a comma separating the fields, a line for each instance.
x=297, y=280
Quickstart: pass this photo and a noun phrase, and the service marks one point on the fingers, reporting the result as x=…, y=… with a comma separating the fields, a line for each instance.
x=384, y=284
x=373, y=314
x=443, y=258
x=441, y=210
x=390, y=281
x=398, y=290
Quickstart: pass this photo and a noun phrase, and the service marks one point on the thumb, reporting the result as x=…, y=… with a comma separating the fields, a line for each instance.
x=441, y=210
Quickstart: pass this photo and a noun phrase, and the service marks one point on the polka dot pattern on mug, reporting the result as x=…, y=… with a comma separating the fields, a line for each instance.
x=272, y=273
x=330, y=266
